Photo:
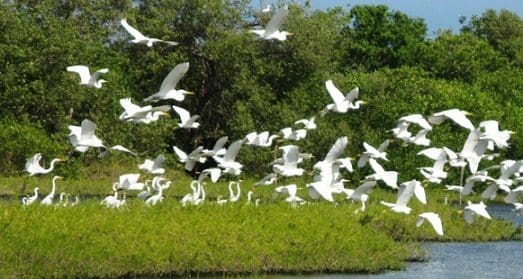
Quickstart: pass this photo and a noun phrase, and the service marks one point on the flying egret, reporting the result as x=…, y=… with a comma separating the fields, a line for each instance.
x=218, y=148
x=433, y=219
x=417, y=119
x=190, y=160
x=272, y=31
x=33, y=167
x=291, y=190
x=168, y=89
x=266, y=9
x=290, y=162
x=290, y=134
x=267, y=180
x=457, y=116
x=153, y=167
x=473, y=209
x=260, y=139
x=507, y=169
x=48, y=200
x=308, y=124
x=129, y=182
x=117, y=148
x=389, y=177
x=341, y=104
x=186, y=120
x=513, y=195
x=492, y=133
x=85, y=76
x=139, y=38
x=83, y=137
x=214, y=173
x=405, y=193
x=361, y=192
x=371, y=152
x=133, y=112
x=227, y=161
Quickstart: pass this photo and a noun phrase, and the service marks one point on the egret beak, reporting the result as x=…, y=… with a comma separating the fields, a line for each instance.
x=188, y=93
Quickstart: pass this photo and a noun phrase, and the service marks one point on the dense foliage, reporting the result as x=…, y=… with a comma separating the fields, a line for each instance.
x=243, y=84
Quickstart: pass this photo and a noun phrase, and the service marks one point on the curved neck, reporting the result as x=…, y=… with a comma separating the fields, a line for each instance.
x=51, y=165
x=54, y=185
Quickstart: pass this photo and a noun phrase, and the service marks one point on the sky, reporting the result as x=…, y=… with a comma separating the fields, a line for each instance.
x=438, y=14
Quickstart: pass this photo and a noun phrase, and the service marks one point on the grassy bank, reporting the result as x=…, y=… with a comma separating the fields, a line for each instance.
x=91, y=241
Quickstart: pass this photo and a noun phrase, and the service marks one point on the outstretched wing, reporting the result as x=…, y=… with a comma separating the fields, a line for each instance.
x=174, y=76
x=131, y=30
x=183, y=113
x=277, y=20
x=335, y=93
x=81, y=70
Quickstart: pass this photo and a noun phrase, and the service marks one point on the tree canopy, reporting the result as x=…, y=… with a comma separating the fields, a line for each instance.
x=244, y=84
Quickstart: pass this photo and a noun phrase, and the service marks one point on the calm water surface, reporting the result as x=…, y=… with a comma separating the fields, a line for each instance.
x=461, y=259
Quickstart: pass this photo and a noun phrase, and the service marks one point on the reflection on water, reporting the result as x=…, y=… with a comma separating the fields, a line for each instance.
x=462, y=259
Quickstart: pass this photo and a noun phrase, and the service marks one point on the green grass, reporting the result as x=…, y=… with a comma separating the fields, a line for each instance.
x=92, y=241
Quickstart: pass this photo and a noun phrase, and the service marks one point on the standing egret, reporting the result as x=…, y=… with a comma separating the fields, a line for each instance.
x=85, y=76
x=139, y=38
x=31, y=199
x=168, y=89
x=271, y=31
x=48, y=200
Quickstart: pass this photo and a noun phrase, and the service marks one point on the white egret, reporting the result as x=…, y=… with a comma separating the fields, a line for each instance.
x=507, y=169
x=389, y=177
x=457, y=116
x=214, y=173
x=190, y=160
x=492, y=133
x=361, y=192
x=117, y=148
x=260, y=139
x=168, y=89
x=33, y=167
x=473, y=209
x=371, y=152
x=266, y=9
x=290, y=162
x=405, y=193
x=139, y=38
x=519, y=208
x=83, y=137
x=272, y=31
x=153, y=167
x=417, y=119
x=227, y=161
x=342, y=103
x=85, y=76
x=133, y=112
x=218, y=148
x=186, y=120
x=158, y=197
x=433, y=219
x=267, y=180
x=290, y=134
x=48, y=200
x=151, y=116
x=513, y=195
x=308, y=124
x=401, y=132
x=31, y=199
x=234, y=197
x=129, y=182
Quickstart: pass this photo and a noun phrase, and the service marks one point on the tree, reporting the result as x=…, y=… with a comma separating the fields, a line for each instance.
x=503, y=30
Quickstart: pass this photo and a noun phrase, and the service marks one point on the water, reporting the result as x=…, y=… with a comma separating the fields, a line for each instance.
x=462, y=259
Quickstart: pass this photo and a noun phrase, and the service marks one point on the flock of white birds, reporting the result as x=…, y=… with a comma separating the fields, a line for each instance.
x=328, y=179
